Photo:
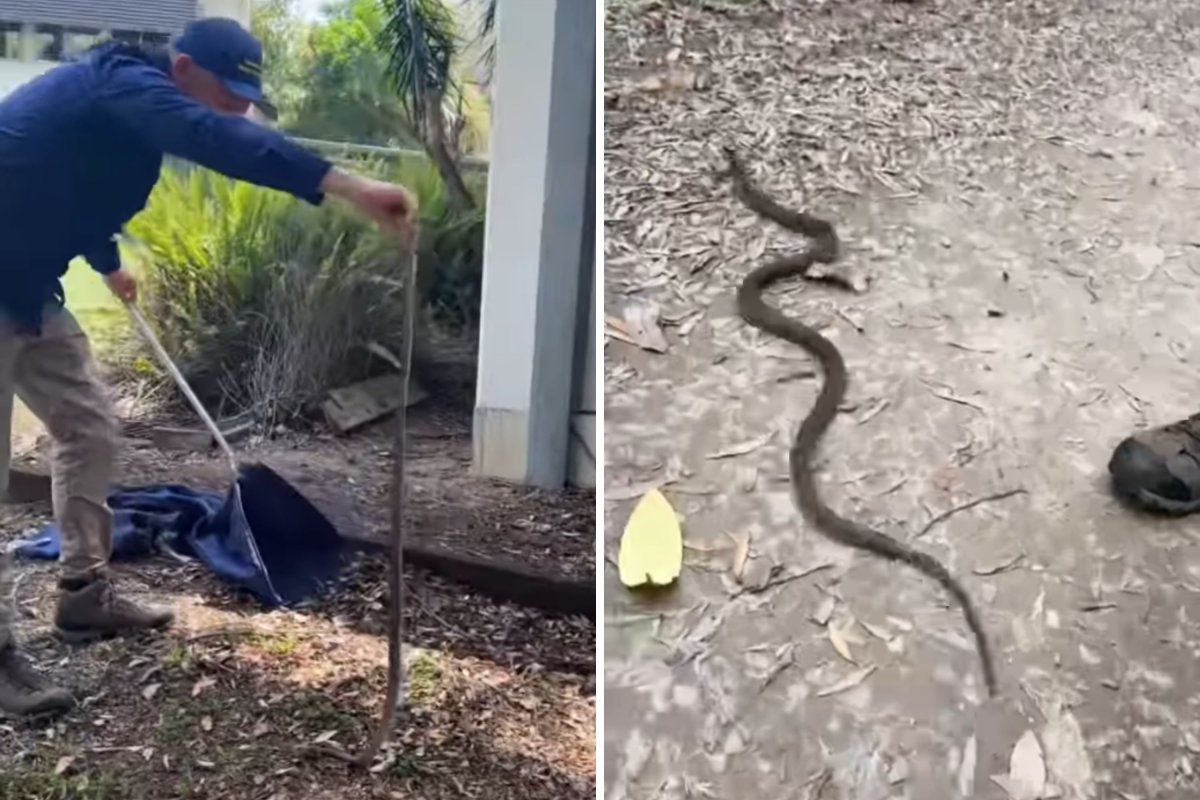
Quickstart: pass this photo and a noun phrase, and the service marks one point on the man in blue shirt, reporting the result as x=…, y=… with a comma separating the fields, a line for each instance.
x=81, y=147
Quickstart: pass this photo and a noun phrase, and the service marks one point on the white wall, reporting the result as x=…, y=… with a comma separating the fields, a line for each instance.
x=529, y=410
x=234, y=9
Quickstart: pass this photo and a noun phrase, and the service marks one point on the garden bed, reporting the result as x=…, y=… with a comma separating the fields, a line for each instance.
x=502, y=695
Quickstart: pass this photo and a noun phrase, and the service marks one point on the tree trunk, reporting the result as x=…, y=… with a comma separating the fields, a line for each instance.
x=438, y=147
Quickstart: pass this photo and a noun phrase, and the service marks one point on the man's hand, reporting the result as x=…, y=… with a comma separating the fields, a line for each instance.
x=123, y=285
x=389, y=205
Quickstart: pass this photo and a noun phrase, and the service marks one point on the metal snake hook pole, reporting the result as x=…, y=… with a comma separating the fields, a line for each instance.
x=168, y=364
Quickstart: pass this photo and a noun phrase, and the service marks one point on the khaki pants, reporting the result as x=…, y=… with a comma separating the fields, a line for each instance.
x=55, y=377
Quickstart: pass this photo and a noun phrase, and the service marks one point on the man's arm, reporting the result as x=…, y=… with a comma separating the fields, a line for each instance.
x=149, y=104
x=104, y=258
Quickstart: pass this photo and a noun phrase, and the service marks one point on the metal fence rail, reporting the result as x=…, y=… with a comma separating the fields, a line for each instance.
x=348, y=149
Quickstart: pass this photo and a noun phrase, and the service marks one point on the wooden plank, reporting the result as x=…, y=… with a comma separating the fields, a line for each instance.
x=169, y=439
x=27, y=487
x=353, y=406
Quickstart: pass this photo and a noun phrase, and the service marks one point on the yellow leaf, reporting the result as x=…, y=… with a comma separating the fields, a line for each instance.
x=652, y=544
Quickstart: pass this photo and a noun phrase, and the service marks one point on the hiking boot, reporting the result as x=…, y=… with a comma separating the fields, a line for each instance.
x=23, y=690
x=94, y=610
x=1159, y=469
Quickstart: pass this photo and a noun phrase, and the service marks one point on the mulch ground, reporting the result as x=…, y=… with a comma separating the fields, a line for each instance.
x=501, y=698
x=551, y=532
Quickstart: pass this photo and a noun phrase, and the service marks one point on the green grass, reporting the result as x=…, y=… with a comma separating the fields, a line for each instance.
x=424, y=676
x=281, y=644
x=36, y=780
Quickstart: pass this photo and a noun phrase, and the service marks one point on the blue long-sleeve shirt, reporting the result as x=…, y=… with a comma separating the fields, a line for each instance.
x=81, y=147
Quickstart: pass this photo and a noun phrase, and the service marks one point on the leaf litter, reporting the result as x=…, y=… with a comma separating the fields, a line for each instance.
x=744, y=447
x=1026, y=778
x=956, y=91
x=296, y=676
x=848, y=682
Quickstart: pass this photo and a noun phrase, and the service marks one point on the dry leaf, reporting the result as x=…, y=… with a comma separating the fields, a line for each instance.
x=966, y=769
x=675, y=79
x=63, y=764
x=876, y=408
x=879, y=632
x=151, y=690
x=849, y=630
x=641, y=322
x=634, y=490
x=848, y=682
x=944, y=477
x=1027, y=768
x=324, y=737
x=746, y=477
x=615, y=328
x=1104, y=606
x=839, y=643
x=899, y=771
x=741, y=551
x=825, y=610
x=742, y=448
x=1026, y=778
x=203, y=684
x=1003, y=566
x=200, y=762
x=261, y=729
x=707, y=548
x=1067, y=754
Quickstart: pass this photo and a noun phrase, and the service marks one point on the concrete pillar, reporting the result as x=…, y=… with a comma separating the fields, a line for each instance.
x=544, y=90
x=582, y=467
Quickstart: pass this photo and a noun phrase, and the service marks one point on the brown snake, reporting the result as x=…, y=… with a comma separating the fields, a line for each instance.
x=394, y=695
x=754, y=310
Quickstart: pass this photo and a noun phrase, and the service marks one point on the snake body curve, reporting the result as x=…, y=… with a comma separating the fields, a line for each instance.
x=755, y=311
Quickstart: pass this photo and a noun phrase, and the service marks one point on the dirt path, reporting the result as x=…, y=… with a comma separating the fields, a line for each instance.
x=1019, y=184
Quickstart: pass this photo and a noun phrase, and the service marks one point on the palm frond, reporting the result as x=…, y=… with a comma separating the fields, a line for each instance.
x=420, y=40
x=487, y=33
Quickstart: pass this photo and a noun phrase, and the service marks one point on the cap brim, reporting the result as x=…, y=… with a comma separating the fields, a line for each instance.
x=255, y=96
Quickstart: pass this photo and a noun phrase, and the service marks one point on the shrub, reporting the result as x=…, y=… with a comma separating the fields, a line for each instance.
x=451, y=275
x=268, y=302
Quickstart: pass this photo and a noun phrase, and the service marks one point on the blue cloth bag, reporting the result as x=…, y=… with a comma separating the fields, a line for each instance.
x=276, y=545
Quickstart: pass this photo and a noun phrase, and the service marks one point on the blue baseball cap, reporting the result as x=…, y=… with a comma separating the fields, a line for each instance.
x=229, y=51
